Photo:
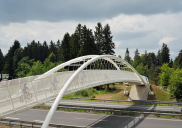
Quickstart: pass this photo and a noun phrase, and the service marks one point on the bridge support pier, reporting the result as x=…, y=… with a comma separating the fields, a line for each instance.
x=139, y=92
x=125, y=92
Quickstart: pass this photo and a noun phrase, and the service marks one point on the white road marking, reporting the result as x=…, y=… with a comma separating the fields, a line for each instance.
x=70, y=112
x=39, y=121
x=83, y=118
x=163, y=119
x=116, y=105
x=12, y=118
x=59, y=124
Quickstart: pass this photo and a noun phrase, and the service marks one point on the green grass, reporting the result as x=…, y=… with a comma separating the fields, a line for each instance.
x=91, y=92
x=161, y=95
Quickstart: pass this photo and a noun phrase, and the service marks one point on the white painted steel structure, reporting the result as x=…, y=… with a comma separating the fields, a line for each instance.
x=90, y=71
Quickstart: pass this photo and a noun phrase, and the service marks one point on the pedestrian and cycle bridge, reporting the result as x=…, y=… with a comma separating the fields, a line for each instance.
x=72, y=76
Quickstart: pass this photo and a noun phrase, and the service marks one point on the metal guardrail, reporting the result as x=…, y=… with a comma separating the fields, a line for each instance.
x=123, y=111
x=21, y=123
x=133, y=101
x=105, y=108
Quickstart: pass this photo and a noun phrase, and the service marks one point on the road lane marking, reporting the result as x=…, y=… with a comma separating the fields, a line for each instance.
x=83, y=118
x=12, y=118
x=163, y=119
x=59, y=124
x=39, y=121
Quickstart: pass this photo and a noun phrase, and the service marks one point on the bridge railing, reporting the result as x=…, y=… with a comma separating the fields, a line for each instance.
x=12, y=97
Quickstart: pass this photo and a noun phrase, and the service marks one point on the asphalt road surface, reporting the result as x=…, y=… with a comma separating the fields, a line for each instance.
x=97, y=120
x=122, y=106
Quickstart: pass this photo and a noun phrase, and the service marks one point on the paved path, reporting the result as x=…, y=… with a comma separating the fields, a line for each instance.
x=97, y=120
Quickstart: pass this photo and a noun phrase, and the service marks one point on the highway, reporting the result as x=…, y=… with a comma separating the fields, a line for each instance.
x=121, y=106
x=97, y=120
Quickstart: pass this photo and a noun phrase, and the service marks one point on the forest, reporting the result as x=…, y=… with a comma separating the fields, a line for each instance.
x=38, y=57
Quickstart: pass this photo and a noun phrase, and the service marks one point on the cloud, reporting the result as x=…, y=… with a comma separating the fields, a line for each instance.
x=133, y=31
x=22, y=11
x=166, y=40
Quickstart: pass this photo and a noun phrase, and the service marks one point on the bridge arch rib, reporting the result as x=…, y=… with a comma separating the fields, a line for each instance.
x=91, y=58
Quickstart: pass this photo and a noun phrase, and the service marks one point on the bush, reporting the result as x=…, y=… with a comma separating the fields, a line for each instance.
x=86, y=93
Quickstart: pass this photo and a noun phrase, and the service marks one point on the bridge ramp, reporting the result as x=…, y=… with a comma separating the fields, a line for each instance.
x=138, y=92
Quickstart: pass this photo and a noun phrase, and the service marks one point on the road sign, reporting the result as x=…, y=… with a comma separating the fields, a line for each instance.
x=5, y=76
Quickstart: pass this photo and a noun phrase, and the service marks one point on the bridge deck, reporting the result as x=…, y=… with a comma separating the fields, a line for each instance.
x=13, y=100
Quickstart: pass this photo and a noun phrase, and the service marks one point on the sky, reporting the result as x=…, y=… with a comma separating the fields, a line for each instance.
x=135, y=24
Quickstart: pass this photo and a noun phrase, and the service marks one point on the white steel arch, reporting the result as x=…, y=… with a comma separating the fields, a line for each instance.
x=70, y=80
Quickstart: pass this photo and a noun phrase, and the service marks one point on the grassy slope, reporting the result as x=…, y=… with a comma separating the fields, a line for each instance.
x=120, y=95
x=160, y=94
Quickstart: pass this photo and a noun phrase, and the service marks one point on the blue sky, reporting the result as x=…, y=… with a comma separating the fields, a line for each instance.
x=142, y=24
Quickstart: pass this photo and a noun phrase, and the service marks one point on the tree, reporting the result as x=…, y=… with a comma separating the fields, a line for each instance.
x=58, y=45
x=165, y=56
x=151, y=59
x=159, y=58
x=108, y=45
x=144, y=58
x=45, y=50
x=127, y=56
x=24, y=66
x=176, y=84
x=171, y=63
x=153, y=73
x=87, y=46
x=52, y=57
x=64, y=51
x=141, y=69
x=119, y=56
x=36, y=69
x=136, y=58
x=16, y=58
x=164, y=76
x=178, y=61
x=1, y=61
x=74, y=45
x=99, y=38
x=8, y=67
x=52, y=48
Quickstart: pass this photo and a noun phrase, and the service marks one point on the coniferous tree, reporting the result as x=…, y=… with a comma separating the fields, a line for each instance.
x=16, y=58
x=108, y=45
x=159, y=58
x=171, y=63
x=1, y=61
x=88, y=46
x=99, y=38
x=74, y=46
x=127, y=56
x=137, y=58
x=165, y=56
x=64, y=51
x=52, y=57
x=45, y=50
x=180, y=59
x=58, y=44
x=145, y=58
x=52, y=48
x=8, y=67
x=151, y=59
